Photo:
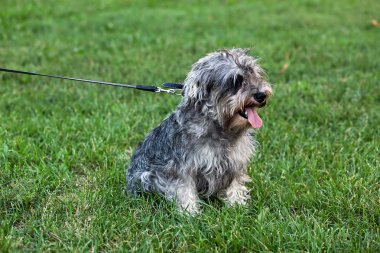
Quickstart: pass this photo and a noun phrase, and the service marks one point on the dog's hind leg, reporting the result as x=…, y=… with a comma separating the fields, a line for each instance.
x=179, y=190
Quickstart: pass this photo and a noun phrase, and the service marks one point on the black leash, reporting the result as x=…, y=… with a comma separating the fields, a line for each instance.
x=173, y=88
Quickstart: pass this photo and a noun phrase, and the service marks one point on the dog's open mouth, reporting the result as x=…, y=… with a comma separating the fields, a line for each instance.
x=250, y=113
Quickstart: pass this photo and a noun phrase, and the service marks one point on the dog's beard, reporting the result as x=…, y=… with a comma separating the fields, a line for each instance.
x=241, y=113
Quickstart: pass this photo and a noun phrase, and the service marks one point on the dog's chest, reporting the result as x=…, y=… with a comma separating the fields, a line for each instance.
x=217, y=164
x=224, y=155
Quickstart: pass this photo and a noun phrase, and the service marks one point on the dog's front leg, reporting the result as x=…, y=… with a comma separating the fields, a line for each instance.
x=187, y=198
x=237, y=192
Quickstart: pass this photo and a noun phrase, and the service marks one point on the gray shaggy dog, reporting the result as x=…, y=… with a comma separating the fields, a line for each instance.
x=204, y=147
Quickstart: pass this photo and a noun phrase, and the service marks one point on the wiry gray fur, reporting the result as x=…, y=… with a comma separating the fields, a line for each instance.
x=204, y=147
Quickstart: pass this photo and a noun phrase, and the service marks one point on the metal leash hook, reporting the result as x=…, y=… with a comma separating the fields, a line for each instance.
x=170, y=91
x=173, y=88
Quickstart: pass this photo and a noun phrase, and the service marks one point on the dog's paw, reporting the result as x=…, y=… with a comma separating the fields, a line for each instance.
x=236, y=194
x=237, y=198
x=189, y=209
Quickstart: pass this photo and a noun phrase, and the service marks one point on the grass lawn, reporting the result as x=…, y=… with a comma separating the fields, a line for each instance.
x=64, y=146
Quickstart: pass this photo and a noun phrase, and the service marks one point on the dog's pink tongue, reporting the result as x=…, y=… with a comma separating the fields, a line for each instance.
x=253, y=117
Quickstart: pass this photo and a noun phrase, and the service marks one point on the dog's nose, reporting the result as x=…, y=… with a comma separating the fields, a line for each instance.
x=260, y=96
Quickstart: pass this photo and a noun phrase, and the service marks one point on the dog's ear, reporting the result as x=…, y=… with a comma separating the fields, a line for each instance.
x=190, y=90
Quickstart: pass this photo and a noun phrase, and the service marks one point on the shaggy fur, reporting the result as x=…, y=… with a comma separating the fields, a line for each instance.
x=204, y=147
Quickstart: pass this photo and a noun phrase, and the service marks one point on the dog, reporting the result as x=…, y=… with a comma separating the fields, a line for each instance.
x=204, y=147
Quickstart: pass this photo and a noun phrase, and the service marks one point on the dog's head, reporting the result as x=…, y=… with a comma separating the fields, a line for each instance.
x=229, y=87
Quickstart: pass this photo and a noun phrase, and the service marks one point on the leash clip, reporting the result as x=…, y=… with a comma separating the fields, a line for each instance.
x=170, y=91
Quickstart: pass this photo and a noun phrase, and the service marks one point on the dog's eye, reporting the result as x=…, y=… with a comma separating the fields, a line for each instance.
x=238, y=81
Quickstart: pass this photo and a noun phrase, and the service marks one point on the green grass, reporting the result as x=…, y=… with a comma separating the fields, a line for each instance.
x=64, y=146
